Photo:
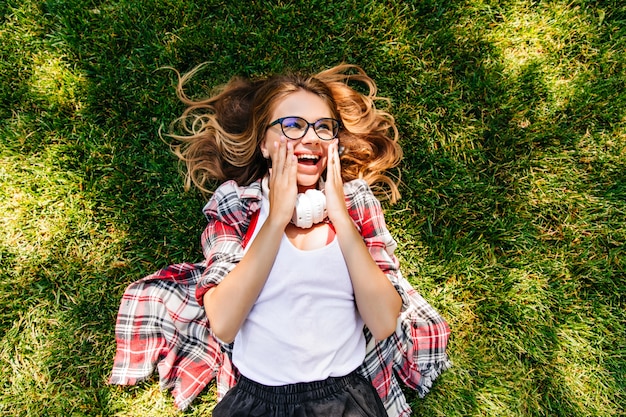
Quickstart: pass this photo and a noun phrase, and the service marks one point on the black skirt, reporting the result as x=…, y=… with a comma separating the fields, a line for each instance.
x=348, y=396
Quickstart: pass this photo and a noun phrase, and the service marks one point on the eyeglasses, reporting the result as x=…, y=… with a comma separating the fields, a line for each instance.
x=296, y=127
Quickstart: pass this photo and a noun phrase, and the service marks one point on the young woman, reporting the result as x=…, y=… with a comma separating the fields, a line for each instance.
x=300, y=285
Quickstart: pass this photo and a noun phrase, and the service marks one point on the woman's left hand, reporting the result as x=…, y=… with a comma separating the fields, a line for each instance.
x=335, y=198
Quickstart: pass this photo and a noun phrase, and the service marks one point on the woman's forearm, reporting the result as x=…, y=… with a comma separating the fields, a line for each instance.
x=228, y=304
x=377, y=300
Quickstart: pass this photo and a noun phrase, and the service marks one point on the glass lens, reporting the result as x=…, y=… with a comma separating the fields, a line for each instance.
x=294, y=127
x=326, y=128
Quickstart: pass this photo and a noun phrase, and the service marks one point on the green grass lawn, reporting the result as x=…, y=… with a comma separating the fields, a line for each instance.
x=512, y=223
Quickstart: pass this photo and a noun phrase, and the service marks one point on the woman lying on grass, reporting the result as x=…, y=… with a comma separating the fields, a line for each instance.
x=299, y=307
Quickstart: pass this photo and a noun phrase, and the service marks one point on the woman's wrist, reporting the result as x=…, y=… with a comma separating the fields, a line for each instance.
x=274, y=226
x=344, y=225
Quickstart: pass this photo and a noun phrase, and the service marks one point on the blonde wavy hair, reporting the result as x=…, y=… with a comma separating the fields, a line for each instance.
x=218, y=138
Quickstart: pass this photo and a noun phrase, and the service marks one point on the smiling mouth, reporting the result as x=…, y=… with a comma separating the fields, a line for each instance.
x=308, y=159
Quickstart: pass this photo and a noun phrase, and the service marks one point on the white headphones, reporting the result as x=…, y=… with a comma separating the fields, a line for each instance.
x=310, y=206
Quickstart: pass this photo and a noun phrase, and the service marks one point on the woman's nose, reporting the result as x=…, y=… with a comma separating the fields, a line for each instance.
x=310, y=136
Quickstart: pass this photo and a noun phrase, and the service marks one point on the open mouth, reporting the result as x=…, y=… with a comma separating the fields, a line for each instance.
x=308, y=159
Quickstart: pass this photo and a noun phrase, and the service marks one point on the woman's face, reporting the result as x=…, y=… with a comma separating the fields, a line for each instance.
x=311, y=151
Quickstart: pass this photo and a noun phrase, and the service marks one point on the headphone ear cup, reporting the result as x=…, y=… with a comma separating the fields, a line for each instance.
x=303, y=212
x=318, y=205
x=310, y=209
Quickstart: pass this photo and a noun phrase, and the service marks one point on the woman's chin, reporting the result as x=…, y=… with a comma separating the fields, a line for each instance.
x=309, y=175
x=307, y=181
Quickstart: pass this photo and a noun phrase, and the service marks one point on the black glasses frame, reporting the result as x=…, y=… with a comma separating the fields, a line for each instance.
x=337, y=123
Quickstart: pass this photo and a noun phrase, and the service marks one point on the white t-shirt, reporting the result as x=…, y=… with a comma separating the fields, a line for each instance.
x=304, y=325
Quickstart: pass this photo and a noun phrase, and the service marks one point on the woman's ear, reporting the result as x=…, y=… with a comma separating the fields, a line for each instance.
x=264, y=151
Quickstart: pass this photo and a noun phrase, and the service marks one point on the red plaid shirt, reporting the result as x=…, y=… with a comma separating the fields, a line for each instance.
x=162, y=323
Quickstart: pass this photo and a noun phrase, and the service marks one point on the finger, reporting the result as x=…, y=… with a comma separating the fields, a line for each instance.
x=278, y=156
x=333, y=157
x=329, y=164
x=291, y=162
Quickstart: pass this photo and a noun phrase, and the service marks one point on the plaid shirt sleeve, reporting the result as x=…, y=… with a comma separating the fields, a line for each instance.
x=161, y=323
x=161, y=326
x=228, y=214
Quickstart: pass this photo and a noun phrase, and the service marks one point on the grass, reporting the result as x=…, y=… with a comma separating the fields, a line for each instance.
x=512, y=223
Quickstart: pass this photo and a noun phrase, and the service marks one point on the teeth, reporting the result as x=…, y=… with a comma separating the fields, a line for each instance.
x=312, y=157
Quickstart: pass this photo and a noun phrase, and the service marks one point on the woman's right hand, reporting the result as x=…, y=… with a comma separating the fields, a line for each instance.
x=283, y=182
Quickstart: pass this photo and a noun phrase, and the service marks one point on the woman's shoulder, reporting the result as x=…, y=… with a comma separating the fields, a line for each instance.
x=359, y=194
x=355, y=187
x=232, y=203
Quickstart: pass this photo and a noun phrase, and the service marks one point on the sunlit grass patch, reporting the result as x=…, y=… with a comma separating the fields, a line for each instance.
x=24, y=360
x=44, y=211
x=56, y=84
x=148, y=399
x=581, y=374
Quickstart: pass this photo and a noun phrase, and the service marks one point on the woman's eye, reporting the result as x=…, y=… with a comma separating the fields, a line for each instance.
x=293, y=123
